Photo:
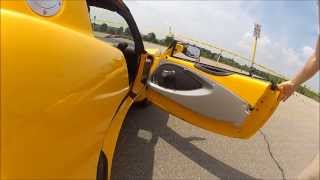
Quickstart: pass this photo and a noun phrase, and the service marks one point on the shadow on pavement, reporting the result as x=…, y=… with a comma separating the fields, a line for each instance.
x=134, y=154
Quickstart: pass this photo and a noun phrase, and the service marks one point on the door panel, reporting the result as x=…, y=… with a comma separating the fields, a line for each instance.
x=173, y=77
x=204, y=95
x=227, y=103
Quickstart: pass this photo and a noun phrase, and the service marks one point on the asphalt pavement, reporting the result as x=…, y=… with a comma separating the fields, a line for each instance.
x=155, y=145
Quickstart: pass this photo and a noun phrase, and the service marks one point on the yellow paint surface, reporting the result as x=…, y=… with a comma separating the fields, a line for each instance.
x=255, y=92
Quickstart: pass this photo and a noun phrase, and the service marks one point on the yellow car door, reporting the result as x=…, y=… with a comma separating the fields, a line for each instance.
x=215, y=99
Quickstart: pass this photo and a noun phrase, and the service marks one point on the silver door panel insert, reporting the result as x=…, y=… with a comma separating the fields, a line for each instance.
x=212, y=100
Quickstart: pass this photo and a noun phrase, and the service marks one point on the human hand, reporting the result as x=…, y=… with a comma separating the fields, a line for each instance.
x=286, y=90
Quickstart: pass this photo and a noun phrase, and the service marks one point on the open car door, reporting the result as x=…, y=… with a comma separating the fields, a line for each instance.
x=215, y=99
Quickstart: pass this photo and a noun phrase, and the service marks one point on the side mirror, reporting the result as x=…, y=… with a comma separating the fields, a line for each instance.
x=191, y=51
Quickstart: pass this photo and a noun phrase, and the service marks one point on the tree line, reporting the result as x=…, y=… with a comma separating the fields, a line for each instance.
x=151, y=37
x=111, y=30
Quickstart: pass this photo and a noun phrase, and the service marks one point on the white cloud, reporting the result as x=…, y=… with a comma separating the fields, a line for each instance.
x=214, y=21
x=280, y=57
x=272, y=54
x=307, y=51
x=227, y=24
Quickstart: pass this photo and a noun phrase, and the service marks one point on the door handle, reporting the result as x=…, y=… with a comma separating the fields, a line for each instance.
x=168, y=73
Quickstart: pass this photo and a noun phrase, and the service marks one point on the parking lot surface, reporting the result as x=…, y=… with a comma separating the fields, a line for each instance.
x=156, y=145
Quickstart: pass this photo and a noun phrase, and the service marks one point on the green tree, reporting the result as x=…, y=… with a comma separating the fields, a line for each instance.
x=104, y=27
x=168, y=40
x=152, y=36
x=120, y=30
x=127, y=31
x=112, y=30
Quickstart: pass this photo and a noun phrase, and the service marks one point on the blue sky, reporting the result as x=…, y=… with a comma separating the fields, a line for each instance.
x=293, y=18
x=289, y=28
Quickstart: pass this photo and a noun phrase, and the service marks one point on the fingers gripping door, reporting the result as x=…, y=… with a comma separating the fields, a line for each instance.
x=198, y=94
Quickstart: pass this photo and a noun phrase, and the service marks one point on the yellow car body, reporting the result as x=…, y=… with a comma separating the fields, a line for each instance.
x=65, y=94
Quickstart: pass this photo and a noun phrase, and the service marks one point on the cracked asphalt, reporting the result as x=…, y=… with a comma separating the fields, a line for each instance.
x=156, y=145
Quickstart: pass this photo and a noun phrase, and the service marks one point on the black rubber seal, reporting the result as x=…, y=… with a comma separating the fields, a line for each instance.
x=102, y=168
x=212, y=70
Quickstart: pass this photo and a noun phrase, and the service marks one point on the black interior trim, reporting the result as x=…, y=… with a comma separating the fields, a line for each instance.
x=232, y=72
x=102, y=168
x=173, y=45
x=212, y=69
x=181, y=79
